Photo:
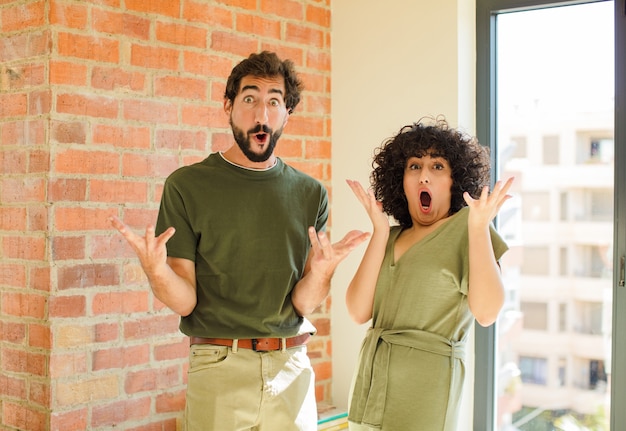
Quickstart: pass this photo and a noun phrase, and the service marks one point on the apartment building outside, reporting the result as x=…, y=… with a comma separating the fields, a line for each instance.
x=554, y=332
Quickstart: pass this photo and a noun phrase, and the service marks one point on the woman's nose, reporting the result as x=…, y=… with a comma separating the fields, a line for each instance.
x=424, y=177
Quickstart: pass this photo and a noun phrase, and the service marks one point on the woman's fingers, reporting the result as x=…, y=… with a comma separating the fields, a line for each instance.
x=358, y=191
x=488, y=205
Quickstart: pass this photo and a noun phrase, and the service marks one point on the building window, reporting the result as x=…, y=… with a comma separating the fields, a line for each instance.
x=535, y=315
x=519, y=147
x=597, y=374
x=562, y=372
x=564, y=207
x=591, y=374
x=594, y=205
x=534, y=370
x=591, y=261
x=588, y=318
x=562, y=317
x=563, y=261
x=596, y=150
x=551, y=150
x=536, y=206
x=536, y=261
x=601, y=205
x=604, y=149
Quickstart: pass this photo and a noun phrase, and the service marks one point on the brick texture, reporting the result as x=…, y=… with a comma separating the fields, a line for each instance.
x=99, y=102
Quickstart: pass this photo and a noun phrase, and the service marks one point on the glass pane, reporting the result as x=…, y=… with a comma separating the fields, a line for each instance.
x=555, y=112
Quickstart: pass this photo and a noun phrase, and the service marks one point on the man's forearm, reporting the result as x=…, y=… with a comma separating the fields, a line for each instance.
x=309, y=293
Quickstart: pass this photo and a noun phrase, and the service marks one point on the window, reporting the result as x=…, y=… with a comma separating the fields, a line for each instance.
x=559, y=121
x=590, y=374
x=588, y=318
x=536, y=206
x=563, y=261
x=534, y=370
x=591, y=261
x=590, y=205
x=519, y=147
x=563, y=317
x=535, y=315
x=601, y=206
x=551, y=150
x=594, y=150
x=562, y=371
x=564, y=211
x=536, y=260
x=597, y=374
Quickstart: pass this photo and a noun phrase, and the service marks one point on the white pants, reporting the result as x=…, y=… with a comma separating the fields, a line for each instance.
x=237, y=390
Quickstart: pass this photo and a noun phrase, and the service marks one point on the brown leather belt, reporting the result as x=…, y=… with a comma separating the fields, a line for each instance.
x=256, y=344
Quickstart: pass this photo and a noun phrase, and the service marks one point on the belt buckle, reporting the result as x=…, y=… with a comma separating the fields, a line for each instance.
x=257, y=345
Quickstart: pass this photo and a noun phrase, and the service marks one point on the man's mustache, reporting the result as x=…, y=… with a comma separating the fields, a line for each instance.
x=260, y=128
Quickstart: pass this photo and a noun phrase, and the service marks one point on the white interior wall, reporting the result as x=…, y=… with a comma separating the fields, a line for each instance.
x=392, y=63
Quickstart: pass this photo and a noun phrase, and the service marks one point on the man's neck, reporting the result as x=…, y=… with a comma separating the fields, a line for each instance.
x=240, y=160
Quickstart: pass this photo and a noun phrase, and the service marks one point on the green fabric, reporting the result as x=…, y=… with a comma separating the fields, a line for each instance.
x=411, y=366
x=246, y=231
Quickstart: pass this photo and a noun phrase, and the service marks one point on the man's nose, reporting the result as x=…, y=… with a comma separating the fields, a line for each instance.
x=261, y=114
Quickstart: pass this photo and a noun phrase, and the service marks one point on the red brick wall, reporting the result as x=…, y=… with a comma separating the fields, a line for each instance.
x=99, y=101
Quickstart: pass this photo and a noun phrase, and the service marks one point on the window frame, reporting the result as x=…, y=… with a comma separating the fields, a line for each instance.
x=486, y=115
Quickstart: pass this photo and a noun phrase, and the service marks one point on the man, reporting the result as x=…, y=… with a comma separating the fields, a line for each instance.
x=246, y=259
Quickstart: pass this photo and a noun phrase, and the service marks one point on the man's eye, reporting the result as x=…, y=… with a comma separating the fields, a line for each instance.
x=248, y=99
x=274, y=102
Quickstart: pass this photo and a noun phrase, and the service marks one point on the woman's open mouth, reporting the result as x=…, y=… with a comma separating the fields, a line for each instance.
x=425, y=200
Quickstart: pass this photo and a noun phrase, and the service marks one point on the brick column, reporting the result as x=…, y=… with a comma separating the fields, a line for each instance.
x=99, y=102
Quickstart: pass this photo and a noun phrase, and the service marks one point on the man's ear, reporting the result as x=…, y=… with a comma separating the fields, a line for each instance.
x=228, y=106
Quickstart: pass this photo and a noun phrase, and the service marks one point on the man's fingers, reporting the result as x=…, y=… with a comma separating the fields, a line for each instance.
x=165, y=236
x=149, y=232
x=355, y=237
x=350, y=240
x=148, y=241
x=117, y=224
x=126, y=232
x=323, y=240
x=313, y=238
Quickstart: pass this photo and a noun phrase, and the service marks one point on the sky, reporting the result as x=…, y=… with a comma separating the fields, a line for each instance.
x=563, y=55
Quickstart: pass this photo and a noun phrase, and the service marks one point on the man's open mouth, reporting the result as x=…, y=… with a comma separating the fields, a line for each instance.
x=261, y=137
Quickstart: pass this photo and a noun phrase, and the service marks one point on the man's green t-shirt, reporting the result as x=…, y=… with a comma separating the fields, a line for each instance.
x=247, y=232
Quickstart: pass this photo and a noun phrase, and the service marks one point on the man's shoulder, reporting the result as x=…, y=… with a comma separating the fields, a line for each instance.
x=301, y=175
x=201, y=167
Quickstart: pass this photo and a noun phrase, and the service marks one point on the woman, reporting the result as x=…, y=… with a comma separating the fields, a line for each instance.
x=424, y=281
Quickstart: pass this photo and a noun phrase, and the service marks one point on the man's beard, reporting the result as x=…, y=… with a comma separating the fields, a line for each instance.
x=243, y=140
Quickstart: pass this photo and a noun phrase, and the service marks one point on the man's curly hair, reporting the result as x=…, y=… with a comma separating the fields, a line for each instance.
x=469, y=161
x=266, y=65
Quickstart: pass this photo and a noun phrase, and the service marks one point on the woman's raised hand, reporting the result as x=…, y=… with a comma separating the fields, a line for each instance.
x=484, y=209
x=372, y=206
